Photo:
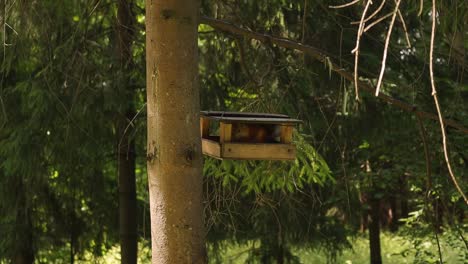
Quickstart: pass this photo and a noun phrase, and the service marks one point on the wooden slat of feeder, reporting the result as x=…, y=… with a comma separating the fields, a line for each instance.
x=240, y=114
x=248, y=151
x=256, y=120
x=211, y=148
x=258, y=151
x=225, y=132
x=204, y=127
x=286, y=134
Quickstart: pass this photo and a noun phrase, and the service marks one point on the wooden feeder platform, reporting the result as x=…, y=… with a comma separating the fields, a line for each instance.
x=247, y=136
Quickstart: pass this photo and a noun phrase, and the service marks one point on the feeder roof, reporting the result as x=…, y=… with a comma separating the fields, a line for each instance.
x=243, y=117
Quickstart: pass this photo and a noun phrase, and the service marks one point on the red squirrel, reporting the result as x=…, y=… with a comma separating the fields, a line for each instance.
x=258, y=133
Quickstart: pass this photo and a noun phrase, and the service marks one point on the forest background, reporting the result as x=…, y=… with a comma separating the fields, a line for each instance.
x=73, y=184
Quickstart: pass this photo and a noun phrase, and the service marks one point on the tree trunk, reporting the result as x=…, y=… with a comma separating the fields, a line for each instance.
x=127, y=200
x=438, y=214
x=174, y=157
x=23, y=244
x=374, y=231
x=280, y=254
x=364, y=211
x=404, y=196
x=393, y=215
x=126, y=144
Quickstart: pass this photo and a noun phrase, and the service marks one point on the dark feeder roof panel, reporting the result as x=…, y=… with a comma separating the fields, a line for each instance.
x=242, y=117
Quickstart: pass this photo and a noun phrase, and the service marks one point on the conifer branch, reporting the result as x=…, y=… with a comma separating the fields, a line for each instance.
x=320, y=56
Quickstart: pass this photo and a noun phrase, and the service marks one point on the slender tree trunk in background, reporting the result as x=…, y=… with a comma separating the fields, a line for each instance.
x=127, y=200
x=374, y=231
x=280, y=255
x=364, y=211
x=404, y=196
x=174, y=157
x=126, y=144
x=72, y=238
x=23, y=252
x=393, y=215
x=438, y=214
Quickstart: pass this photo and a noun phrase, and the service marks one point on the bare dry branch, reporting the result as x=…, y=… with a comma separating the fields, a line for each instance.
x=436, y=101
x=345, y=5
x=403, y=23
x=304, y=17
x=372, y=15
x=356, y=49
x=387, y=42
x=421, y=5
x=377, y=21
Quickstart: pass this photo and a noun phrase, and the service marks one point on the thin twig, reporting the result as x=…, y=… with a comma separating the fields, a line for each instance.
x=344, y=5
x=4, y=113
x=436, y=101
x=2, y=104
x=387, y=42
x=10, y=27
x=403, y=23
x=461, y=236
x=372, y=15
x=304, y=16
x=11, y=6
x=421, y=5
x=356, y=49
x=4, y=30
x=94, y=8
x=436, y=224
x=377, y=21
x=131, y=124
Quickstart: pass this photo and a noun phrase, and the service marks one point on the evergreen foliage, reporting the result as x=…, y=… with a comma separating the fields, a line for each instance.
x=62, y=93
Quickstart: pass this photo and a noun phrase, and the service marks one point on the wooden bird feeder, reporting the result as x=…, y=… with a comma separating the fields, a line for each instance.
x=247, y=136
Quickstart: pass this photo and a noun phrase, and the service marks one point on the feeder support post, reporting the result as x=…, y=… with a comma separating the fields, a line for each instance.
x=174, y=158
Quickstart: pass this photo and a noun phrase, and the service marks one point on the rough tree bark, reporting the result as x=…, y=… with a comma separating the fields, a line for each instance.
x=126, y=144
x=174, y=158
